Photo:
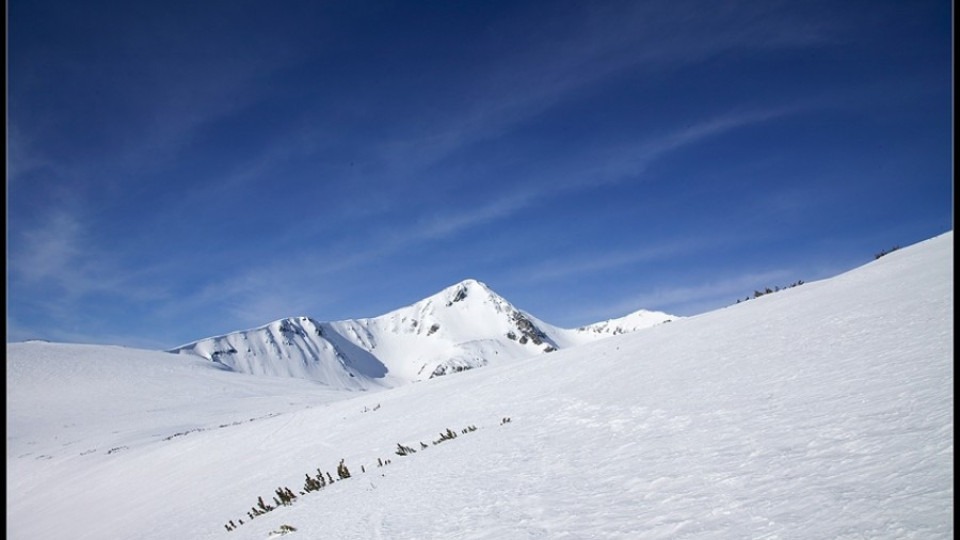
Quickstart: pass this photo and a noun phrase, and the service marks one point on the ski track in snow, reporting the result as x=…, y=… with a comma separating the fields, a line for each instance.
x=822, y=411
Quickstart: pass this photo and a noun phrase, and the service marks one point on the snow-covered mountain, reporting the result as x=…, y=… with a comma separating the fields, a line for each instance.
x=821, y=411
x=464, y=326
x=638, y=320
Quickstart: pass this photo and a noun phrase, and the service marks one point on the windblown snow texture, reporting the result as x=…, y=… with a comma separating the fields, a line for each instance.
x=821, y=411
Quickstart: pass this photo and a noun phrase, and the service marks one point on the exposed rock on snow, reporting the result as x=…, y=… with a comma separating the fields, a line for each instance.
x=467, y=326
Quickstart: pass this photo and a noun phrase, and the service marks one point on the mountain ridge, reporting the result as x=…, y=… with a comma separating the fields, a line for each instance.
x=463, y=326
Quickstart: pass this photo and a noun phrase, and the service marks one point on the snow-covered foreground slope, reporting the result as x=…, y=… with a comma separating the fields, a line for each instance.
x=462, y=327
x=65, y=399
x=821, y=411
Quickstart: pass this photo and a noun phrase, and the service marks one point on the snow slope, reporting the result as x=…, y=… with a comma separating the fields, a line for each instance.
x=464, y=326
x=821, y=411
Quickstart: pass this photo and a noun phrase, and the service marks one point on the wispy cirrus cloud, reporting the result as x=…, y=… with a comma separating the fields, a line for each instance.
x=64, y=285
x=630, y=160
x=559, y=66
x=55, y=331
x=444, y=225
x=687, y=300
x=50, y=250
x=24, y=156
x=585, y=264
x=58, y=253
x=246, y=288
x=272, y=287
x=560, y=59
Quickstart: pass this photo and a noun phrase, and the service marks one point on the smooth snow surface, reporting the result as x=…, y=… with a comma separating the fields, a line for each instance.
x=820, y=411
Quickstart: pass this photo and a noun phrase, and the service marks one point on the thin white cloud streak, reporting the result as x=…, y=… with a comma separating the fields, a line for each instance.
x=57, y=252
x=16, y=332
x=51, y=249
x=545, y=75
x=246, y=289
x=168, y=118
x=582, y=265
x=591, y=264
x=252, y=296
x=606, y=41
x=275, y=289
x=58, y=255
x=24, y=156
x=493, y=115
x=687, y=300
x=632, y=160
x=703, y=130
x=444, y=226
x=628, y=162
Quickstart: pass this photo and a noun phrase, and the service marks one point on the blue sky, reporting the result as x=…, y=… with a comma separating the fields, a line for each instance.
x=178, y=170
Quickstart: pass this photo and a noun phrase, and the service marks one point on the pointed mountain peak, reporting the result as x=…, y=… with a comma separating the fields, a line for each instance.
x=466, y=289
x=469, y=284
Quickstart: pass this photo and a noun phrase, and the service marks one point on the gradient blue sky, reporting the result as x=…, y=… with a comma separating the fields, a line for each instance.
x=184, y=169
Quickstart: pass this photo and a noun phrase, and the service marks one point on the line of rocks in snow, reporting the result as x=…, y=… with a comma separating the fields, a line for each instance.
x=284, y=496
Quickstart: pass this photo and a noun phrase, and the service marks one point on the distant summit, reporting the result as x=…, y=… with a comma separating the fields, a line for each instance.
x=464, y=326
x=637, y=320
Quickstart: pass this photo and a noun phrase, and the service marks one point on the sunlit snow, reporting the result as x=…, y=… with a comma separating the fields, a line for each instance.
x=462, y=327
x=820, y=411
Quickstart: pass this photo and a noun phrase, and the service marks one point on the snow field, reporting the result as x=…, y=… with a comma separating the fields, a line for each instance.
x=821, y=411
